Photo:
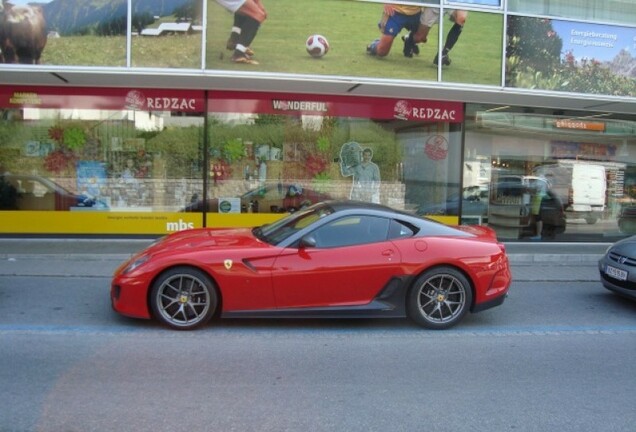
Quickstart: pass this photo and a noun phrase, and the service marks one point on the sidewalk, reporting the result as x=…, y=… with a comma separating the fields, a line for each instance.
x=71, y=256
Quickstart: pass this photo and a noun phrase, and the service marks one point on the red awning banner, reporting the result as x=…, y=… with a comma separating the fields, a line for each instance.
x=336, y=106
x=101, y=98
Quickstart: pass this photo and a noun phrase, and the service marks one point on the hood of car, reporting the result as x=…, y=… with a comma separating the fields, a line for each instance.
x=208, y=238
x=625, y=247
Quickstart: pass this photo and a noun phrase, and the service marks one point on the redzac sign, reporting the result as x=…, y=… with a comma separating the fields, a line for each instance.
x=336, y=106
x=230, y=102
x=101, y=98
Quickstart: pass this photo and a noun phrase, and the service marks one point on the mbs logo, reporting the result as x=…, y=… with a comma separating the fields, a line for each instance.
x=179, y=226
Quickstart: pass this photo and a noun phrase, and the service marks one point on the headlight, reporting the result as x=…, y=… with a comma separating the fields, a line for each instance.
x=135, y=264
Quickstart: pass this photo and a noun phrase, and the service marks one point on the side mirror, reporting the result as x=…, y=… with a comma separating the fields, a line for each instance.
x=308, y=241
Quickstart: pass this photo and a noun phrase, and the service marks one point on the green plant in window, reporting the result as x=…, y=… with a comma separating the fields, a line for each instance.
x=182, y=148
x=74, y=138
x=323, y=145
x=234, y=150
x=321, y=182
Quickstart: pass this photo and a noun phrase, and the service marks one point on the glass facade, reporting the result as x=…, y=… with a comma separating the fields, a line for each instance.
x=111, y=161
x=135, y=161
x=130, y=162
x=151, y=162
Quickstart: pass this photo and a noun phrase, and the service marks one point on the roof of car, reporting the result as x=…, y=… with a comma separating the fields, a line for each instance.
x=340, y=205
x=346, y=205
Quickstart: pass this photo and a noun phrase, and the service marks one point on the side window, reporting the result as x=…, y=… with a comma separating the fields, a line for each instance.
x=400, y=230
x=352, y=230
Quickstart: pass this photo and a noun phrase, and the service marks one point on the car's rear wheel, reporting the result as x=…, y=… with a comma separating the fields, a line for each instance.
x=183, y=298
x=440, y=298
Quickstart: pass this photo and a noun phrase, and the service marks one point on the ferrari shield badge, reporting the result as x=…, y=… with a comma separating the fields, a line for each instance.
x=228, y=264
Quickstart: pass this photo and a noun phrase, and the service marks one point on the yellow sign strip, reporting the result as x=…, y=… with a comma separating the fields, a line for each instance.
x=140, y=223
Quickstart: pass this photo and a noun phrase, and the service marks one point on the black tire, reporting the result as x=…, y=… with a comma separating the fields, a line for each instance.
x=183, y=298
x=439, y=298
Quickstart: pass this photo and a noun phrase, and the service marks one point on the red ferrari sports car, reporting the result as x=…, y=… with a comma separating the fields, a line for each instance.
x=333, y=259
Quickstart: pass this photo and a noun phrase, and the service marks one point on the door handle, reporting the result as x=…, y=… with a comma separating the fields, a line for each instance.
x=388, y=252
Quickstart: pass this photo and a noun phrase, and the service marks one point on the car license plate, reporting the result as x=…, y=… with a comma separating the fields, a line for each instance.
x=616, y=273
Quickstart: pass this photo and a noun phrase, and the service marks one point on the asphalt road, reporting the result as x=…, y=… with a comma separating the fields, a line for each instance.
x=558, y=355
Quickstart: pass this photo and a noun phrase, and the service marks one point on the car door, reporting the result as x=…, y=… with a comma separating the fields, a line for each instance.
x=349, y=262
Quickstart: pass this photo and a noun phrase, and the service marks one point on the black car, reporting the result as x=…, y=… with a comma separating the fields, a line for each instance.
x=271, y=197
x=32, y=192
x=474, y=202
x=618, y=268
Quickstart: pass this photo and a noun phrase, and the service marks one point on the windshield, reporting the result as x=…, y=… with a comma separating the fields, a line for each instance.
x=281, y=229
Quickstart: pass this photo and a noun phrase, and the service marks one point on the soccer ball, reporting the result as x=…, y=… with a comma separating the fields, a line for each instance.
x=317, y=46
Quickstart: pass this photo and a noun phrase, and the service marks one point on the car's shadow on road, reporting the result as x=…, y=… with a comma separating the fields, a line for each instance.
x=471, y=322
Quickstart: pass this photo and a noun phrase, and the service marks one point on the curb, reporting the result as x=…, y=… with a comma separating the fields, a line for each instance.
x=554, y=259
x=66, y=256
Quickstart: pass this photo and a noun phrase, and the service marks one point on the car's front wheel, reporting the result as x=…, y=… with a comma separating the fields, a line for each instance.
x=440, y=298
x=183, y=298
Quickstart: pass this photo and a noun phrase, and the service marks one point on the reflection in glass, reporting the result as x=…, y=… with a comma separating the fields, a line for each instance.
x=80, y=160
x=277, y=163
x=551, y=176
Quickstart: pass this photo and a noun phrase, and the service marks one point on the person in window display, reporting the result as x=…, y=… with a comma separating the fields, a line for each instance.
x=365, y=173
x=428, y=18
x=394, y=19
x=248, y=17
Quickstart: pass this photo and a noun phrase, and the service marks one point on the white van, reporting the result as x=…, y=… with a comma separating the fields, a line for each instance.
x=581, y=186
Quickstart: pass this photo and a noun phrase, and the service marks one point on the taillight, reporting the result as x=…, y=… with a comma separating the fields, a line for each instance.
x=502, y=247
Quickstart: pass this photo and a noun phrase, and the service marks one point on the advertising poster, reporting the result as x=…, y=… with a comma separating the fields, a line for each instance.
x=571, y=56
x=286, y=41
x=91, y=180
x=326, y=37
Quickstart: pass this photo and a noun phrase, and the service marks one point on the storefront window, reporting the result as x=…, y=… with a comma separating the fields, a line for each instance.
x=279, y=153
x=103, y=162
x=118, y=161
x=535, y=174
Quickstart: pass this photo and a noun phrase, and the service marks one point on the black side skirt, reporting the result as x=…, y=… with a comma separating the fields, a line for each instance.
x=389, y=303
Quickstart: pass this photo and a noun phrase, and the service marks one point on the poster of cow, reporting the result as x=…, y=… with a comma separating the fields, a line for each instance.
x=98, y=33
